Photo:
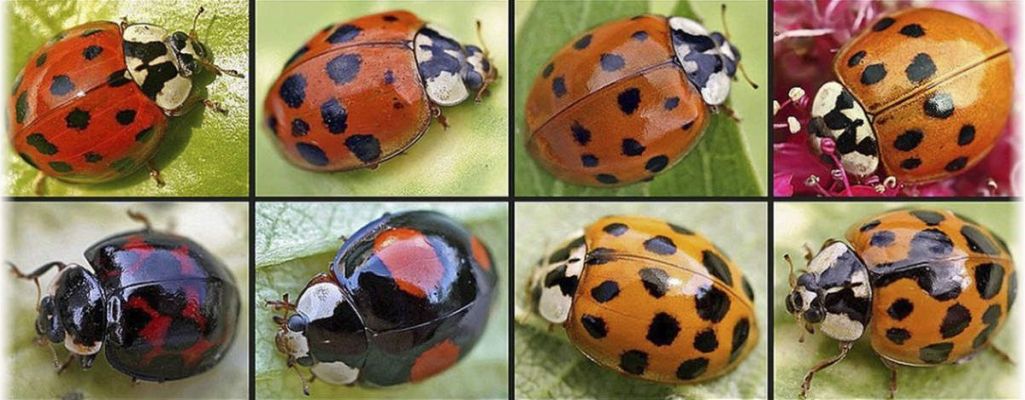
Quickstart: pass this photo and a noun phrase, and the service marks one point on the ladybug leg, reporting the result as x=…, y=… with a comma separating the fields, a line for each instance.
x=844, y=348
x=1000, y=353
x=306, y=383
x=39, y=184
x=63, y=366
x=216, y=70
x=86, y=362
x=728, y=111
x=140, y=218
x=436, y=113
x=893, y=375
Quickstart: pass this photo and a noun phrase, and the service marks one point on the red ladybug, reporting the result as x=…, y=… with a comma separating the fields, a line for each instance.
x=92, y=104
x=361, y=92
x=161, y=305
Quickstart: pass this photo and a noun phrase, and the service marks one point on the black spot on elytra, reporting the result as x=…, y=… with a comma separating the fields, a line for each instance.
x=583, y=42
x=966, y=135
x=123, y=165
x=856, y=58
x=882, y=239
x=559, y=86
x=712, y=304
x=900, y=309
x=77, y=119
x=366, y=147
x=740, y=334
x=1012, y=289
x=688, y=124
x=717, y=266
x=956, y=164
x=296, y=55
x=932, y=241
x=705, y=341
x=692, y=368
x=605, y=292
x=869, y=225
x=655, y=281
x=660, y=245
x=908, y=140
x=629, y=100
x=92, y=52
x=955, y=321
x=939, y=105
x=898, y=335
x=639, y=36
x=599, y=256
x=91, y=32
x=390, y=18
x=334, y=116
x=60, y=166
x=612, y=62
x=293, y=90
x=21, y=107
x=61, y=85
x=589, y=160
x=125, y=117
x=311, y=153
x=144, y=134
x=989, y=278
x=978, y=242
x=632, y=148
x=656, y=164
x=663, y=329
x=748, y=290
x=910, y=163
x=300, y=127
x=344, y=34
x=344, y=68
x=594, y=325
x=679, y=229
x=607, y=179
x=580, y=134
x=912, y=30
x=921, y=68
x=671, y=103
x=92, y=157
x=615, y=228
x=389, y=77
x=41, y=60
x=935, y=353
x=633, y=362
x=882, y=24
x=27, y=159
x=873, y=74
x=42, y=145
x=548, y=70
x=931, y=218
x=118, y=78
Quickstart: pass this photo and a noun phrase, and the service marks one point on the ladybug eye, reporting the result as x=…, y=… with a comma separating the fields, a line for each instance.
x=794, y=302
x=814, y=315
x=297, y=323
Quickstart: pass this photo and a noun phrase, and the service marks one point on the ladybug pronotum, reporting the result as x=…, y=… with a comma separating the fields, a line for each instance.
x=927, y=287
x=649, y=299
x=922, y=94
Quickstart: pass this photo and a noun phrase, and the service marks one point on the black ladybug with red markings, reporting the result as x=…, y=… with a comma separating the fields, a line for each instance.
x=162, y=306
x=405, y=298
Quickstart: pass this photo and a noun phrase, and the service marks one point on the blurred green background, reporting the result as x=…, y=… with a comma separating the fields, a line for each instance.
x=38, y=233
x=862, y=375
x=295, y=241
x=727, y=162
x=204, y=153
x=547, y=364
x=470, y=158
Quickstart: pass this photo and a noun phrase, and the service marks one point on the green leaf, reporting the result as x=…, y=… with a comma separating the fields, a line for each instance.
x=59, y=232
x=295, y=241
x=549, y=366
x=730, y=160
x=861, y=374
x=204, y=153
x=468, y=158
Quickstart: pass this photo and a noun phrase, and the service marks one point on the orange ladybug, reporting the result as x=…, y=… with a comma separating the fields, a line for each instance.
x=924, y=91
x=927, y=287
x=361, y=92
x=648, y=299
x=628, y=99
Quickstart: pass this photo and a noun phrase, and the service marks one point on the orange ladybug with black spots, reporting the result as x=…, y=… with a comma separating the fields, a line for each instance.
x=649, y=299
x=407, y=296
x=927, y=287
x=926, y=93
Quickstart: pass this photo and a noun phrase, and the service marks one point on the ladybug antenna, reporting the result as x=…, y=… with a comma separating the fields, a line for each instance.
x=140, y=218
x=34, y=275
x=492, y=73
x=194, y=21
x=791, y=278
x=740, y=65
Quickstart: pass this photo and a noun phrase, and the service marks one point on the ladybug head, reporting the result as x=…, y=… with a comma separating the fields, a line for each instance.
x=451, y=71
x=708, y=58
x=833, y=293
x=554, y=282
x=73, y=311
x=190, y=53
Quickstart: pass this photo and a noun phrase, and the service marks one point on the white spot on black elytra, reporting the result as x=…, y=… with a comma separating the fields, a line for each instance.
x=594, y=325
x=671, y=103
x=607, y=179
x=632, y=148
x=655, y=281
x=611, y=62
x=966, y=135
x=583, y=42
x=615, y=229
x=956, y=164
x=311, y=153
x=717, y=266
x=42, y=145
x=873, y=74
x=898, y=335
x=344, y=68
x=740, y=334
x=989, y=278
x=125, y=117
x=293, y=90
x=580, y=134
x=300, y=127
x=663, y=329
x=344, y=34
x=629, y=100
x=605, y=292
x=908, y=140
x=61, y=85
x=939, y=105
x=656, y=164
x=366, y=147
x=705, y=341
x=334, y=116
x=882, y=24
x=921, y=68
x=935, y=353
x=660, y=245
x=912, y=30
x=559, y=86
x=910, y=163
x=92, y=52
x=589, y=160
x=955, y=321
x=712, y=303
x=882, y=239
x=692, y=368
x=856, y=58
x=930, y=218
x=77, y=119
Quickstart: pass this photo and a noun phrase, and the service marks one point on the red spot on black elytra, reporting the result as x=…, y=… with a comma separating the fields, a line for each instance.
x=154, y=332
x=480, y=253
x=411, y=260
x=434, y=360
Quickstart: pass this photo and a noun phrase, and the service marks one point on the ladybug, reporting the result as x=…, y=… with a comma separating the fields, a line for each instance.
x=162, y=306
x=628, y=99
x=648, y=299
x=361, y=92
x=927, y=287
x=405, y=298
x=926, y=92
x=92, y=104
